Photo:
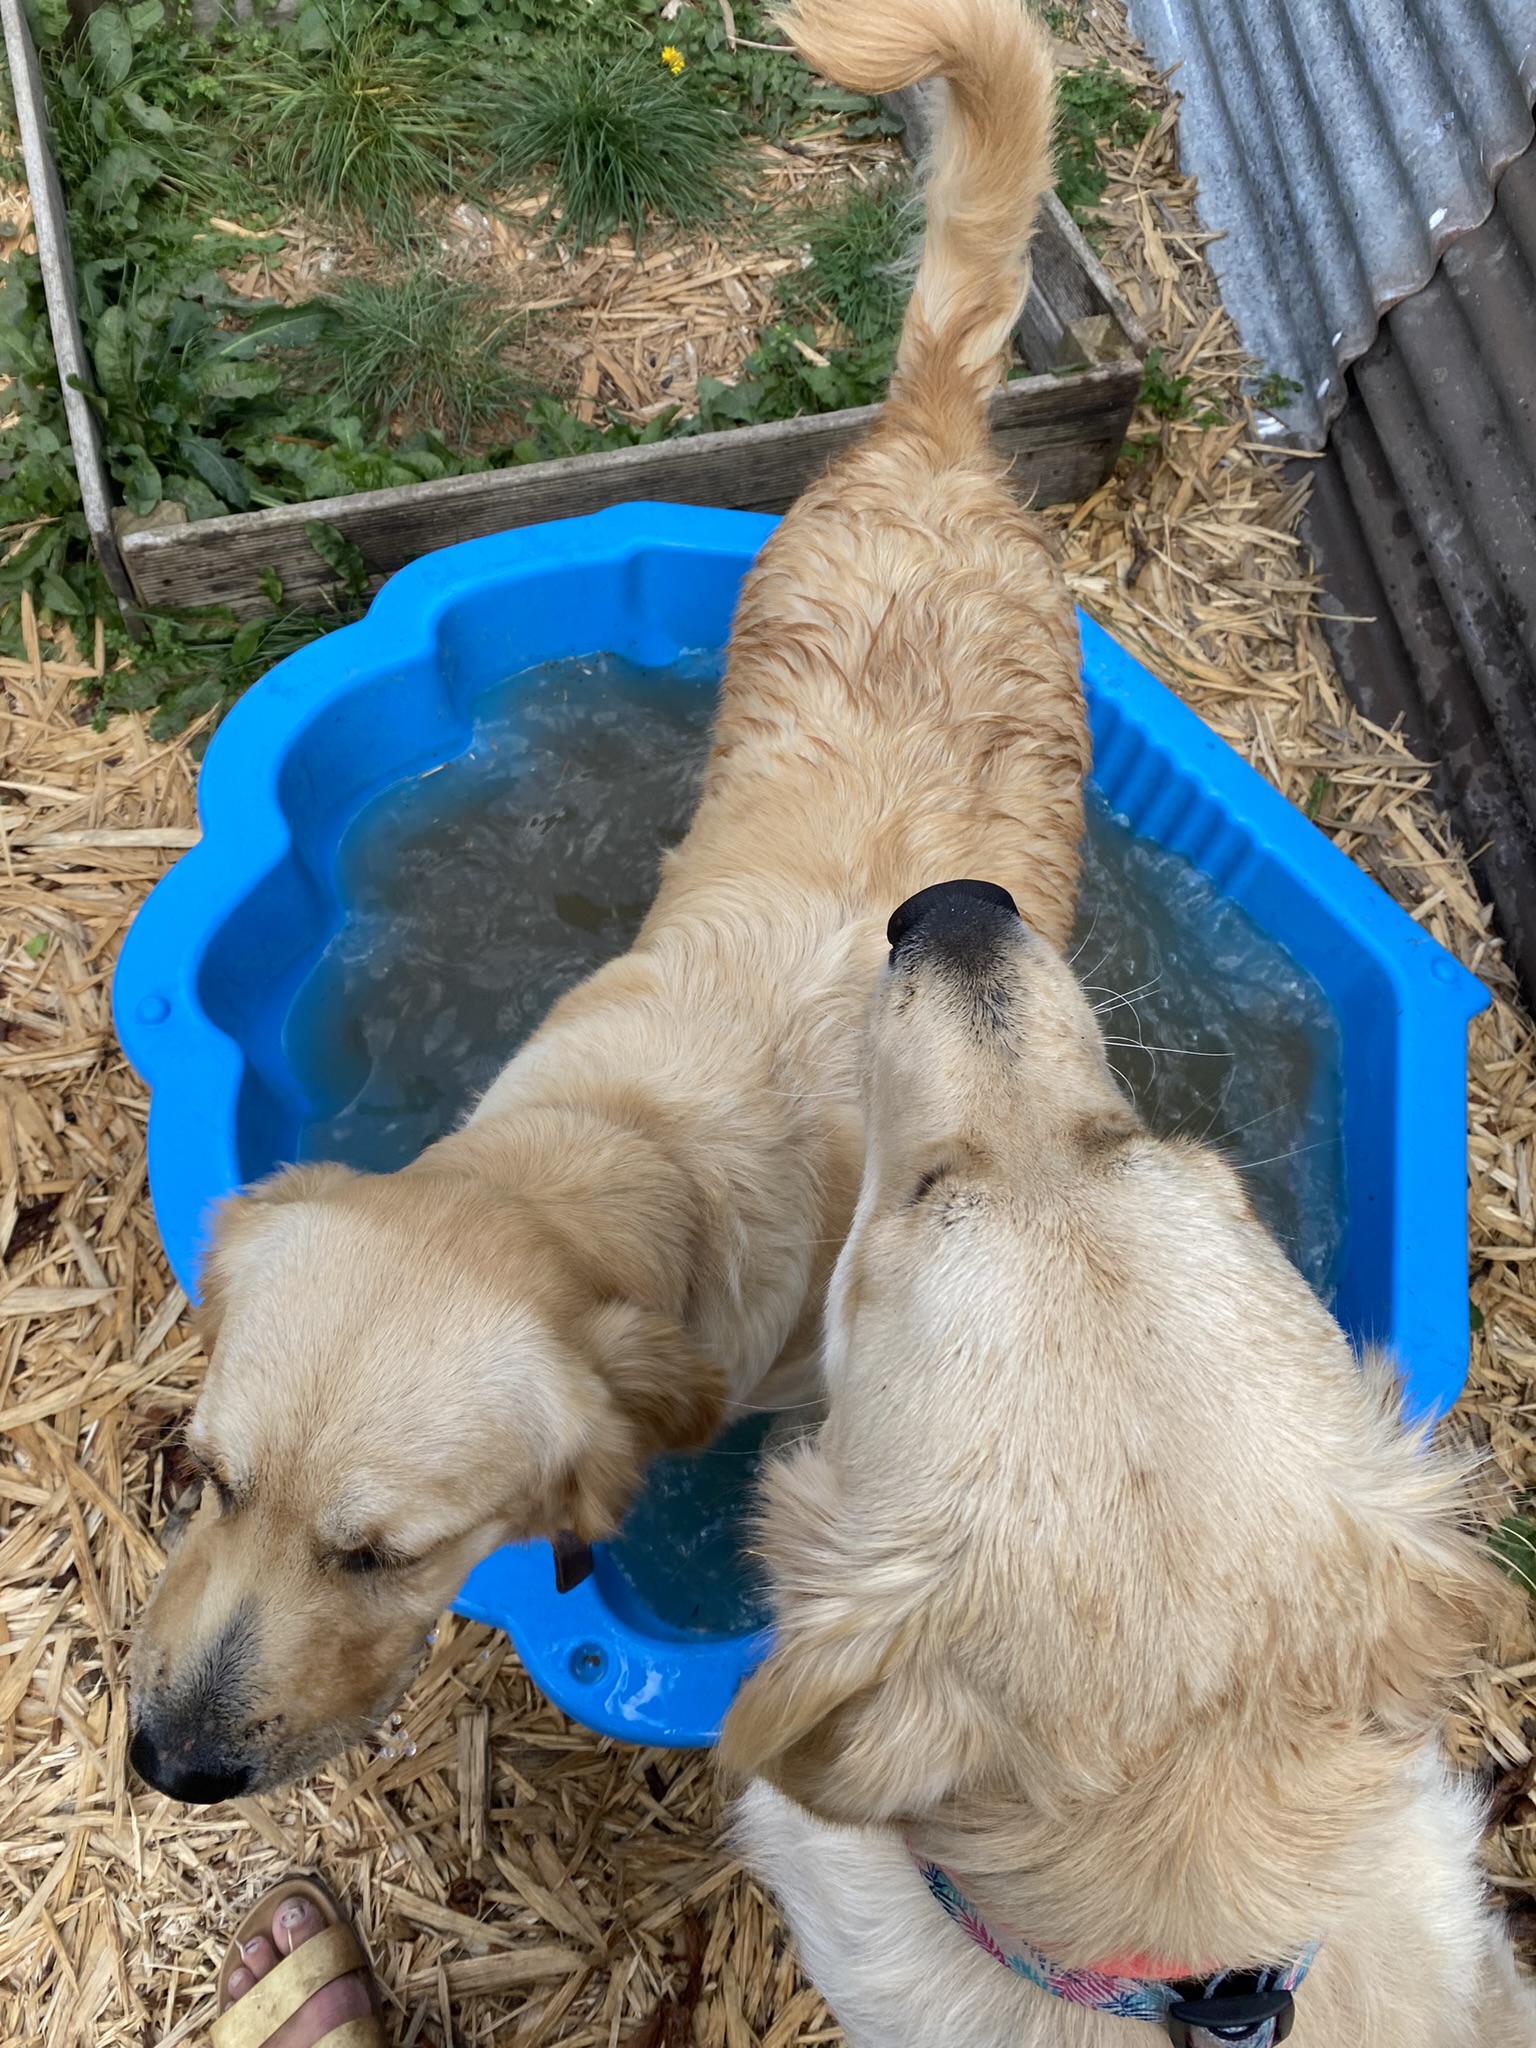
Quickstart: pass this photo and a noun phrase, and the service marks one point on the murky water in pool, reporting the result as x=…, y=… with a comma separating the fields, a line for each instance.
x=478, y=893
x=1216, y=1033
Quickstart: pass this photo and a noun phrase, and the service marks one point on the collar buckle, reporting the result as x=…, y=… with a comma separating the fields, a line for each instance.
x=1247, y=2019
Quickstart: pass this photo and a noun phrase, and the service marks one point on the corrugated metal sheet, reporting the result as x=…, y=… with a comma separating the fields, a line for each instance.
x=1423, y=521
x=1342, y=146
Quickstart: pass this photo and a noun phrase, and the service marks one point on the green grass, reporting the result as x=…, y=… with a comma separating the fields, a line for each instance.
x=767, y=89
x=786, y=375
x=430, y=348
x=859, y=271
x=129, y=111
x=1094, y=107
x=362, y=109
x=346, y=117
x=615, y=136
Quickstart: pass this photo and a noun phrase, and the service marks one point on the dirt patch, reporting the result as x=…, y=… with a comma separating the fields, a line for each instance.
x=611, y=326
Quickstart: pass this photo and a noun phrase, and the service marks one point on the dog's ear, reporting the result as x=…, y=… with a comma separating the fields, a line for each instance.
x=857, y=1713
x=854, y=1730
x=1428, y=1594
x=671, y=1394
x=659, y=1393
x=1441, y=1602
x=235, y=1228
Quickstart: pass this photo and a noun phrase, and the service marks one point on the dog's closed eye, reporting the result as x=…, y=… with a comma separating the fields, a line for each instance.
x=927, y=1183
x=370, y=1558
x=208, y=1474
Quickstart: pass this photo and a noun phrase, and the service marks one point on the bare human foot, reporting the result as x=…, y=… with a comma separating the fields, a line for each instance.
x=345, y=1998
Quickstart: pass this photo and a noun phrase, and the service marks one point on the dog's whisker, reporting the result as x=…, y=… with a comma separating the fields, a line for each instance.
x=1097, y=967
x=1218, y=1110
x=1252, y=1165
x=1084, y=942
x=1263, y=1117
x=1116, y=1002
x=782, y=1408
x=1130, y=995
x=1185, y=1052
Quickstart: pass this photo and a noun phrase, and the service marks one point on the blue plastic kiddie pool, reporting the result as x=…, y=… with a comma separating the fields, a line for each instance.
x=212, y=967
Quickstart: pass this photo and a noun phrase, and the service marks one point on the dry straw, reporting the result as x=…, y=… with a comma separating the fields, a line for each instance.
x=516, y=1879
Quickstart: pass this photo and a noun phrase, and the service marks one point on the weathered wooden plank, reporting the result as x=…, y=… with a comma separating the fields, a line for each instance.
x=50, y=224
x=1069, y=284
x=1063, y=433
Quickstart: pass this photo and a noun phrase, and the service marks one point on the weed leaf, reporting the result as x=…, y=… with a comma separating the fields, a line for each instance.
x=122, y=176
x=311, y=30
x=56, y=595
x=247, y=641
x=1513, y=1544
x=111, y=353
x=110, y=42
x=342, y=556
x=142, y=487
x=273, y=327
x=150, y=120
x=206, y=459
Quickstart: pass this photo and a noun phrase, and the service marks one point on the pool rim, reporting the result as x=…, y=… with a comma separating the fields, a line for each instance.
x=663, y=1688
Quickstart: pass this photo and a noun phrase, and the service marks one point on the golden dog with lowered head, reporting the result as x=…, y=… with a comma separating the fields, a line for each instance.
x=630, y=1238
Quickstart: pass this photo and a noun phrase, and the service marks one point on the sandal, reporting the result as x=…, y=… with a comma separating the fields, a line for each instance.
x=251, y=2020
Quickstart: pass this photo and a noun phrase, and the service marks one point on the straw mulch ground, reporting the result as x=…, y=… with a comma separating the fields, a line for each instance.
x=516, y=1879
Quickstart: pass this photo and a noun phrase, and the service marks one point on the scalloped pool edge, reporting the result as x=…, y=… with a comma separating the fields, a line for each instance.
x=1403, y=1002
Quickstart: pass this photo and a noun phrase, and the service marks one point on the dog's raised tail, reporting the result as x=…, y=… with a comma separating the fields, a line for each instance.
x=990, y=165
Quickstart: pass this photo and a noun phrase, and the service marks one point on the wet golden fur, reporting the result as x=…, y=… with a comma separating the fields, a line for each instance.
x=1114, y=1582
x=634, y=1230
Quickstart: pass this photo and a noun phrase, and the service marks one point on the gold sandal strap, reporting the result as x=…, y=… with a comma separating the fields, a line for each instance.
x=366, y=2033
x=251, y=2020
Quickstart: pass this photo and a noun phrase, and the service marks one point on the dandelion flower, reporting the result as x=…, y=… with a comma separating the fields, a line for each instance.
x=673, y=58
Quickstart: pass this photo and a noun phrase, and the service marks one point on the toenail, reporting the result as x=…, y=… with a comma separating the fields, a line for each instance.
x=247, y=1947
x=240, y=1981
x=293, y=1915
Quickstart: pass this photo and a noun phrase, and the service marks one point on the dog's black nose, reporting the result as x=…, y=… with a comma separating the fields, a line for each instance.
x=196, y=1779
x=950, y=912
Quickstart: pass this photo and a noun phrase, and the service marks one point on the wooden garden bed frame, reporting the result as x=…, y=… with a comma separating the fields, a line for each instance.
x=1063, y=425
